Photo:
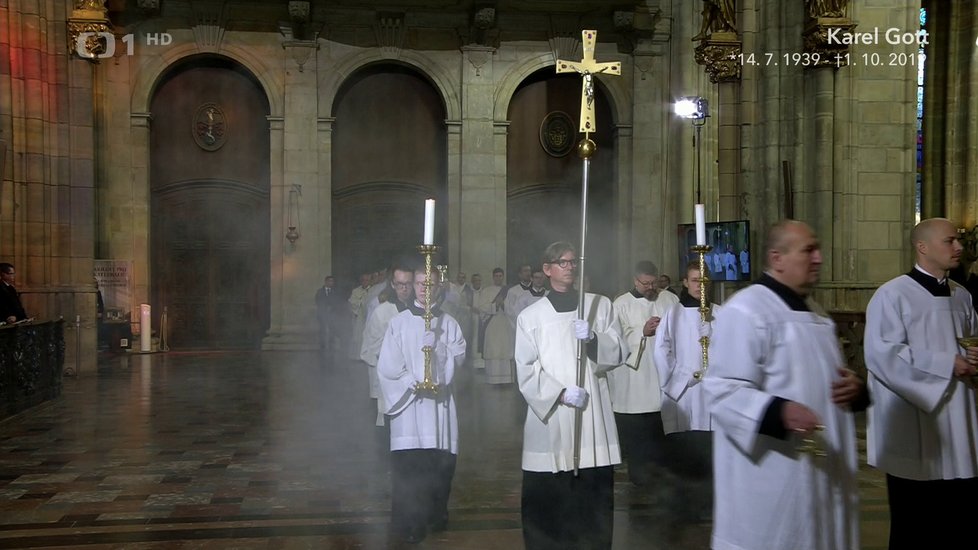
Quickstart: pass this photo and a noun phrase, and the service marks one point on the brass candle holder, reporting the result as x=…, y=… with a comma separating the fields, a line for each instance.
x=969, y=342
x=810, y=444
x=427, y=385
x=705, y=316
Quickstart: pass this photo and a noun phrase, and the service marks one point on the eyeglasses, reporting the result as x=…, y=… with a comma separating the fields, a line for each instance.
x=646, y=284
x=401, y=285
x=564, y=264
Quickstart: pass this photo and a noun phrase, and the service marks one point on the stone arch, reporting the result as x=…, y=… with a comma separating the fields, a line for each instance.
x=149, y=75
x=616, y=88
x=442, y=81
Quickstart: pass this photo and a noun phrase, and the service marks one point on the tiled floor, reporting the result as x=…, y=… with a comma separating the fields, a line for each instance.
x=273, y=451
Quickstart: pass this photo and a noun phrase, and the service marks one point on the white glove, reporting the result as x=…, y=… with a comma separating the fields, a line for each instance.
x=706, y=330
x=574, y=396
x=582, y=329
x=428, y=340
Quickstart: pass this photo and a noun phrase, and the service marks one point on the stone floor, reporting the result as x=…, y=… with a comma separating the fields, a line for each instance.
x=273, y=450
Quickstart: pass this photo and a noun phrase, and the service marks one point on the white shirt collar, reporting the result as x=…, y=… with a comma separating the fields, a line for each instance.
x=940, y=280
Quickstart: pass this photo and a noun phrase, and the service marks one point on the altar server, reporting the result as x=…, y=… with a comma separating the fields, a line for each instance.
x=424, y=424
x=776, y=378
x=922, y=429
x=559, y=509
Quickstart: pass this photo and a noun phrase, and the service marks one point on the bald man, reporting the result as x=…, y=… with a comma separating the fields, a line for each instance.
x=922, y=427
x=776, y=377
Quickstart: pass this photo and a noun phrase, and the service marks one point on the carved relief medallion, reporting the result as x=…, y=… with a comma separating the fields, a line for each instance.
x=210, y=127
x=557, y=134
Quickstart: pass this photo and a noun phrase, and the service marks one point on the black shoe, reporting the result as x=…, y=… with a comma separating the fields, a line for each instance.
x=438, y=525
x=414, y=536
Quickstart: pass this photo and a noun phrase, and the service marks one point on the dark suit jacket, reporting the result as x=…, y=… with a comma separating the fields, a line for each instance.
x=328, y=306
x=10, y=303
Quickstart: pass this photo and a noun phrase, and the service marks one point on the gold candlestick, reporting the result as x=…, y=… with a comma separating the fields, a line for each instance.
x=427, y=385
x=810, y=444
x=704, y=310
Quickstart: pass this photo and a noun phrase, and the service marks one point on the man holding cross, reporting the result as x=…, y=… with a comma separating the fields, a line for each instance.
x=561, y=507
x=564, y=345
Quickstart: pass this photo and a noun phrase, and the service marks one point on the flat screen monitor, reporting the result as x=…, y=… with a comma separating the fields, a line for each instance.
x=730, y=259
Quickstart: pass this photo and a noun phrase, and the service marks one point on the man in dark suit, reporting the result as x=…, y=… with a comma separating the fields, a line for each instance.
x=328, y=303
x=11, y=310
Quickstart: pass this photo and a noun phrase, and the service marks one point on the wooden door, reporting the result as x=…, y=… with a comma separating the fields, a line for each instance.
x=210, y=231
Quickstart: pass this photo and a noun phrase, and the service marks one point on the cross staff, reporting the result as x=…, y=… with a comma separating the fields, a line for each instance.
x=588, y=67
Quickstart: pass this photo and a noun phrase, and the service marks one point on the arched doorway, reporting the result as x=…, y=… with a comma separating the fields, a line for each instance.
x=388, y=155
x=543, y=186
x=209, y=214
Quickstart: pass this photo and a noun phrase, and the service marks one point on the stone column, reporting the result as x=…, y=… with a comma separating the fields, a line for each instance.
x=950, y=184
x=48, y=125
x=300, y=193
x=719, y=54
x=822, y=182
x=452, y=251
x=482, y=194
x=277, y=203
x=816, y=199
x=645, y=198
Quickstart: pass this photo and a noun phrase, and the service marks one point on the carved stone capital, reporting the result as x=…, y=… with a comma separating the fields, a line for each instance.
x=719, y=54
x=300, y=50
x=478, y=56
x=299, y=11
x=482, y=31
x=816, y=39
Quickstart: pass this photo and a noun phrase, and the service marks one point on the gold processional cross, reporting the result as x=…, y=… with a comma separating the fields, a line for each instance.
x=588, y=67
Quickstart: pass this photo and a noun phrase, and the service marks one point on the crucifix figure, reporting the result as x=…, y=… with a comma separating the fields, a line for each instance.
x=588, y=67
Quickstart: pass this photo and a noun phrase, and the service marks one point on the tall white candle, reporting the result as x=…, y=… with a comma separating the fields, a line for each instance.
x=145, y=328
x=700, y=225
x=429, y=221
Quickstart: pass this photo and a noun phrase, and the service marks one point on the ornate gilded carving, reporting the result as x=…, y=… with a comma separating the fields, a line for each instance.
x=817, y=43
x=826, y=8
x=719, y=16
x=824, y=17
x=89, y=16
x=719, y=54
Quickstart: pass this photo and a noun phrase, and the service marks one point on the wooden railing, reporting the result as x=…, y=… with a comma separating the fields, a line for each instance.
x=31, y=360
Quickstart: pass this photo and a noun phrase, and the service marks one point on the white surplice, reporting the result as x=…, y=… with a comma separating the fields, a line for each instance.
x=922, y=423
x=483, y=309
x=512, y=304
x=373, y=338
x=359, y=320
x=678, y=356
x=420, y=420
x=546, y=363
x=497, y=350
x=635, y=388
x=769, y=495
